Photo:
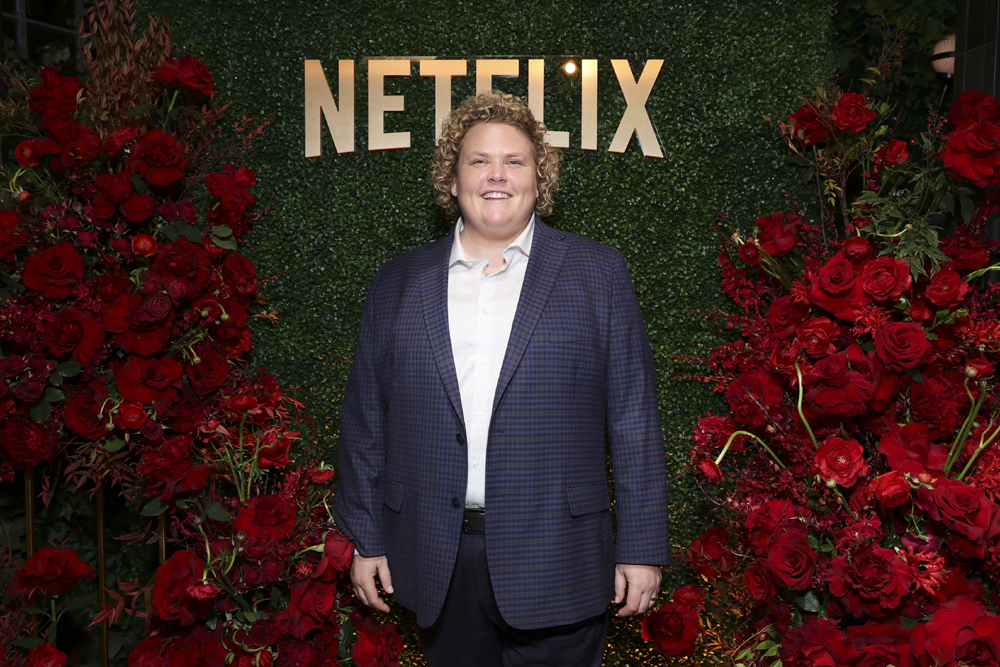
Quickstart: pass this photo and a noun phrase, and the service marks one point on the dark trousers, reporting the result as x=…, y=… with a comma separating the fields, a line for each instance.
x=470, y=631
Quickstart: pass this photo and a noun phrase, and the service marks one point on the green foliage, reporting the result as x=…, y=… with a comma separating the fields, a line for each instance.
x=337, y=218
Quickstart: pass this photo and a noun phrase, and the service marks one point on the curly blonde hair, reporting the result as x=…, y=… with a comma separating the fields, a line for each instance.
x=495, y=107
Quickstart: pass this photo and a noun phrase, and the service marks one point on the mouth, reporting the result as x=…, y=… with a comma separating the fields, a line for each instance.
x=496, y=195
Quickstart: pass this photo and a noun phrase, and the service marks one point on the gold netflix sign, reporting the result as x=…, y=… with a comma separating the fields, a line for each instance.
x=340, y=118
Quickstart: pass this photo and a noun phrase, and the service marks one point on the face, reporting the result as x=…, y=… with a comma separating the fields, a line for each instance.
x=495, y=181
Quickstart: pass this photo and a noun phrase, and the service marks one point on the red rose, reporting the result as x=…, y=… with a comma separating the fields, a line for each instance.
x=339, y=550
x=880, y=645
x=185, y=260
x=851, y=113
x=27, y=154
x=919, y=312
x=11, y=234
x=689, y=596
x=311, y=605
x=946, y=289
x=857, y=250
x=377, y=646
x=977, y=369
x=26, y=443
x=784, y=315
x=672, y=628
x=240, y=274
x=759, y=581
x=940, y=403
x=909, y=450
x=891, y=489
x=144, y=245
x=117, y=188
x=232, y=186
x=50, y=572
x=83, y=416
x=70, y=142
x=785, y=355
x=973, y=154
x=158, y=158
x=778, y=233
x=273, y=451
x=902, y=344
x=710, y=471
x=709, y=555
x=75, y=334
x=771, y=518
x=792, y=560
x=841, y=460
x=131, y=416
x=818, y=336
x=841, y=384
x=886, y=278
x=960, y=631
x=752, y=395
x=147, y=380
x=893, y=152
x=267, y=517
x=242, y=403
x=54, y=271
x=46, y=655
x=210, y=372
x=808, y=126
x=138, y=208
x=169, y=468
x=55, y=93
x=171, y=601
x=139, y=325
x=869, y=580
x=971, y=517
x=750, y=253
x=116, y=140
x=148, y=653
x=837, y=289
x=322, y=476
x=187, y=73
x=972, y=107
x=816, y=643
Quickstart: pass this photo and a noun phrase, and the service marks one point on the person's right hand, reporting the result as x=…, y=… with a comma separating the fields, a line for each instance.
x=363, y=571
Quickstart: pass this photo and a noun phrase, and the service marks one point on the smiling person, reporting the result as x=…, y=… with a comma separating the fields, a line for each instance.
x=493, y=367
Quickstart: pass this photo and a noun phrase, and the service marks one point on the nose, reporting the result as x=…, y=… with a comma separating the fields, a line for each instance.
x=498, y=172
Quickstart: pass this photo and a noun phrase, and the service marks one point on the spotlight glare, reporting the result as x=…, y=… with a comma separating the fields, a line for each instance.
x=570, y=67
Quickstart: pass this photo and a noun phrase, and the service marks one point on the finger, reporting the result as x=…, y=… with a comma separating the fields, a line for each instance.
x=385, y=577
x=619, y=585
x=633, y=600
x=645, y=602
x=380, y=604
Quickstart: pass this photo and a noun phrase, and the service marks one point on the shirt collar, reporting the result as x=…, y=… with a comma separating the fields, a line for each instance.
x=521, y=243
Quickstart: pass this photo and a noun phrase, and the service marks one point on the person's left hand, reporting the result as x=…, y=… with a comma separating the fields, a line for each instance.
x=643, y=583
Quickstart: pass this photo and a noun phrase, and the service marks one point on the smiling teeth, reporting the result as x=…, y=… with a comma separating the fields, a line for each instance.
x=496, y=195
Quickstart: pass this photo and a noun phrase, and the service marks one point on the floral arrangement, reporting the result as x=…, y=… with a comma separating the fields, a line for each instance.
x=857, y=471
x=123, y=320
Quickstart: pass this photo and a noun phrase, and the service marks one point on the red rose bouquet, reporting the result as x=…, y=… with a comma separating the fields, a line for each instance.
x=123, y=320
x=858, y=463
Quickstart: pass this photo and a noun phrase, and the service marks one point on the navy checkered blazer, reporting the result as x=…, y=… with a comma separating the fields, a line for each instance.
x=578, y=373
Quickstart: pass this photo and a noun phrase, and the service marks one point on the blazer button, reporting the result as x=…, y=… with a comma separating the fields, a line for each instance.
x=460, y=438
x=455, y=502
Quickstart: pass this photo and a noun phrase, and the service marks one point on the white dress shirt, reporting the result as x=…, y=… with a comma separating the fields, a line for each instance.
x=481, y=312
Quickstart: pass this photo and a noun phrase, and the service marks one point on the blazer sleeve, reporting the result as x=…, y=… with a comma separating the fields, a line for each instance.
x=634, y=432
x=361, y=450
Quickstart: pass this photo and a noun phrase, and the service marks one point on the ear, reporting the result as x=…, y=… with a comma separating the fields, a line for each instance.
x=454, y=188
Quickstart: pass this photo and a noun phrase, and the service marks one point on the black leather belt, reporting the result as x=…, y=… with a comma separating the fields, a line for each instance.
x=474, y=521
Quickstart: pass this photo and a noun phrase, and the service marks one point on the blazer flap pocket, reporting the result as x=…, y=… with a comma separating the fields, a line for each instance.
x=393, y=498
x=588, y=498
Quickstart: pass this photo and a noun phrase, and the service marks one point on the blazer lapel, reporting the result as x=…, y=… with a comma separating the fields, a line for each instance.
x=547, y=254
x=434, y=293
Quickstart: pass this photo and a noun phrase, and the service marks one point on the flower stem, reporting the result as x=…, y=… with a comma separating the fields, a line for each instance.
x=802, y=416
x=963, y=432
x=986, y=443
x=725, y=449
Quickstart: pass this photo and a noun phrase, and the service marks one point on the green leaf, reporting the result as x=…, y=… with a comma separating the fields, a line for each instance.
x=140, y=110
x=139, y=184
x=40, y=411
x=69, y=369
x=171, y=233
x=222, y=231
x=154, y=507
x=915, y=375
x=795, y=158
x=181, y=504
x=190, y=233
x=115, y=643
x=968, y=208
x=809, y=602
x=250, y=616
x=28, y=642
x=217, y=512
x=114, y=444
x=56, y=380
x=34, y=610
x=867, y=346
x=53, y=395
x=228, y=244
x=80, y=601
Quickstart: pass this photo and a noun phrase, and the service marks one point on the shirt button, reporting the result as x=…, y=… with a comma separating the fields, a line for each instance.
x=485, y=310
x=482, y=360
x=475, y=464
x=460, y=439
x=455, y=503
x=479, y=411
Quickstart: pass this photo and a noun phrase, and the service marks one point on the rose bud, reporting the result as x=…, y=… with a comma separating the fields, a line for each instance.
x=23, y=196
x=242, y=403
x=919, y=312
x=339, y=550
x=144, y=244
x=857, y=249
x=203, y=591
x=710, y=471
x=750, y=253
x=206, y=309
x=26, y=154
x=892, y=489
x=977, y=369
x=322, y=476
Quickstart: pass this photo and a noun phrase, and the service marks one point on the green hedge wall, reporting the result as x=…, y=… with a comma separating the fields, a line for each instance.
x=337, y=218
